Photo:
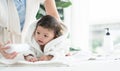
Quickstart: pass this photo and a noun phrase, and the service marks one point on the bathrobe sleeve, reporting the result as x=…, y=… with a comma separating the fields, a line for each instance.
x=30, y=51
x=58, y=50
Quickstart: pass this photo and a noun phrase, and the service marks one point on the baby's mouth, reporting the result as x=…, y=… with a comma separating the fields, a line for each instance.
x=40, y=41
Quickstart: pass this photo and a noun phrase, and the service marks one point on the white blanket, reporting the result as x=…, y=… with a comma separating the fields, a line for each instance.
x=81, y=58
x=16, y=62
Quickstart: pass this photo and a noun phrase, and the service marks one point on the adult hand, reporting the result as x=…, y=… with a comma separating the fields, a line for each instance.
x=5, y=54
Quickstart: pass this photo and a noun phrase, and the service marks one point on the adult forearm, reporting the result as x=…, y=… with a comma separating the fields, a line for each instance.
x=51, y=9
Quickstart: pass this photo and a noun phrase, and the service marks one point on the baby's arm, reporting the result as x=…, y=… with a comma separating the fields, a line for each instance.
x=30, y=58
x=46, y=57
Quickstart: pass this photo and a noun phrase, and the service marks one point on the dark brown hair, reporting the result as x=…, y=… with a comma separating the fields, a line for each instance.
x=51, y=23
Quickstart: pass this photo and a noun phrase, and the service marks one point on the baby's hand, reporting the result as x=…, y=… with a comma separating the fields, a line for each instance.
x=46, y=58
x=31, y=58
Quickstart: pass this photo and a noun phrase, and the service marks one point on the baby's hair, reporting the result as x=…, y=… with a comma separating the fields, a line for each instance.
x=51, y=23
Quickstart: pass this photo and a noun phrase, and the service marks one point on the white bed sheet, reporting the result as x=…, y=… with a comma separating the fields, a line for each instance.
x=73, y=60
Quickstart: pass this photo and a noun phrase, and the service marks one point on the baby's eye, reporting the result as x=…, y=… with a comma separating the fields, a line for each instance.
x=45, y=36
x=38, y=32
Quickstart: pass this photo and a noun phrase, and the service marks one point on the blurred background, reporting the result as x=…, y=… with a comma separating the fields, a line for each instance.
x=86, y=20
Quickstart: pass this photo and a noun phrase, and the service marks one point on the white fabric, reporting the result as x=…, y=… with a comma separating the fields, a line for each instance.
x=57, y=47
x=9, y=19
x=3, y=13
x=13, y=18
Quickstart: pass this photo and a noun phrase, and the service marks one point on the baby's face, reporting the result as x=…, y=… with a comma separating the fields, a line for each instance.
x=43, y=35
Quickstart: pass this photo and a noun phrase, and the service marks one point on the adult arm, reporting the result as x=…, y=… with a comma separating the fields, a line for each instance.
x=51, y=9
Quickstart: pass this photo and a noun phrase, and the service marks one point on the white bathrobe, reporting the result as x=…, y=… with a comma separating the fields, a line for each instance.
x=57, y=47
x=9, y=19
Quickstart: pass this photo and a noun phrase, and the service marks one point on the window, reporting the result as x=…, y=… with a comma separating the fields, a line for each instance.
x=87, y=18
